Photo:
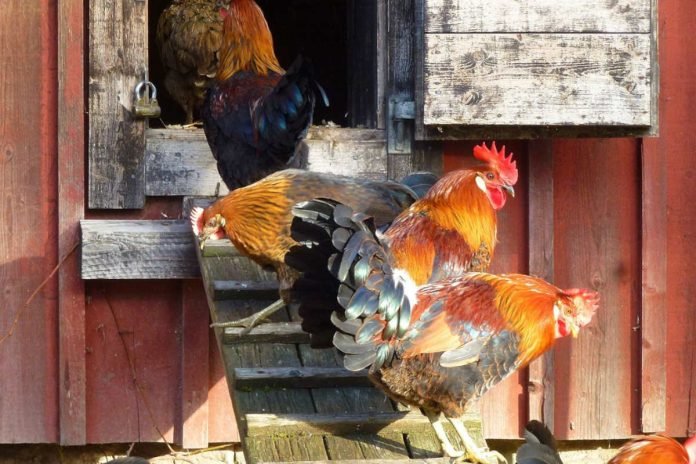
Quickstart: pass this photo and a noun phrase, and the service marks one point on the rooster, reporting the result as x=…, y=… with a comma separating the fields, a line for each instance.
x=441, y=345
x=257, y=218
x=255, y=114
x=189, y=35
x=453, y=227
x=539, y=447
x=656, y=449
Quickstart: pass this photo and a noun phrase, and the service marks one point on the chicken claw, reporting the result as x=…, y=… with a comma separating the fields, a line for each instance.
x=252, y=321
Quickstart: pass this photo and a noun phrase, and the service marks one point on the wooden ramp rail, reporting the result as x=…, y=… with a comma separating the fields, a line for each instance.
x=294, y=403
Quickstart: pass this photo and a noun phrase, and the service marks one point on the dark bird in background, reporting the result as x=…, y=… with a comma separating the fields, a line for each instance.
x=257, y=218
x=436, y=346
x=255, y=114
x=189, y=35
x=656, y=449
x=539, y=446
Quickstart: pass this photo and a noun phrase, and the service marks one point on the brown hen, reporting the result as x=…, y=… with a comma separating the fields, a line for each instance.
x=189, y=35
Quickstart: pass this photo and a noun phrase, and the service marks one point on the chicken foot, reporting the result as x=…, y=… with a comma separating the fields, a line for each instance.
x=473, y=452
x=447, y=448
x=252, y=321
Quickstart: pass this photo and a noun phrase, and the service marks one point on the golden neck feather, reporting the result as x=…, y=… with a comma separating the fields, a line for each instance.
x=247, y=43
x=457, y=203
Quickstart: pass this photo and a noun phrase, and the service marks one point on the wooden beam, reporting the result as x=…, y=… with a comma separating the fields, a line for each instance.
x=71, y=175
x=317, y=424
x=654, y=286
x=541, y=225
x=138, y=249
x=499, y=79
x=302, y=377
x=117, y=62
x=270, y=332
x=178, y=162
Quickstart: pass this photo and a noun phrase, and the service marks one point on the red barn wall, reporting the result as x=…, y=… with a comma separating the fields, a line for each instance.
x=66, y=373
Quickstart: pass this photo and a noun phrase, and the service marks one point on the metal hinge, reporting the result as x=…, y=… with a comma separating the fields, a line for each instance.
x=401, y=118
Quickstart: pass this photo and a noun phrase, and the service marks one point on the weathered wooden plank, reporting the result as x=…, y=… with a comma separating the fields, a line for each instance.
x=117, y=61
x=541, y=221
x=192, y=425
x=455, y=16
x=244, y=289
x=535, y=79
x=269, y=332
x=340, y=424
x=138, y=249
x=304, y=377
x=401, y=24
x=71, y=175
x=653, y=321
x=179, y=162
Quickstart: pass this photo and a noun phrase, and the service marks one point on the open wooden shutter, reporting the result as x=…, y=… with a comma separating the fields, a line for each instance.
x=521, y=68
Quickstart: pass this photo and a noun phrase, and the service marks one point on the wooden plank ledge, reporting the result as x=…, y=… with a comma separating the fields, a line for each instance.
x=138, y=249
x=271, y=332
x=244, y=289
x=341, y=424
x=298, y=377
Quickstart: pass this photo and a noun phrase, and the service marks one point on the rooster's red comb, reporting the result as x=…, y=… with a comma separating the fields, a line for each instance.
x=506, y=167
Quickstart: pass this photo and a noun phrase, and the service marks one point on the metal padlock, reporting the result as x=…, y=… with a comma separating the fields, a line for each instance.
x=146, y=105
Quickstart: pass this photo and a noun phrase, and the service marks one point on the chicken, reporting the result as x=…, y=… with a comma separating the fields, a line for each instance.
x=257, y=218
x=189, y=35
x=656, y=449
x=453, y=227
x=437, y=346
x=539, y=447
x=255, y=115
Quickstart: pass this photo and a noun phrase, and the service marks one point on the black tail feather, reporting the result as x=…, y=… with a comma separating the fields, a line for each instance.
x=286, y=113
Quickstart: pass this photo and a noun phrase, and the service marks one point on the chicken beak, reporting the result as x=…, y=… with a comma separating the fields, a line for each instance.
x=509, y=189
x=574, y=330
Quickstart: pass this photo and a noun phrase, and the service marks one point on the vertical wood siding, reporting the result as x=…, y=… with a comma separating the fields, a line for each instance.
x=676, y=146
x=28, y=223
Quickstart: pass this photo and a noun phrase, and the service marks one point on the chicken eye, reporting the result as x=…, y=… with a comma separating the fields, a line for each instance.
x=490, y=176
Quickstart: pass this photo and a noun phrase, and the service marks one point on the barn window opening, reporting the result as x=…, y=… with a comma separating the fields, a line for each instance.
x=318, y=29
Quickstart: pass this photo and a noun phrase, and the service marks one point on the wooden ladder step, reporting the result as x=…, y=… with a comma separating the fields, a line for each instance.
x=259, y=425
x=298, y=377
x=244, y=290
x=270, y=332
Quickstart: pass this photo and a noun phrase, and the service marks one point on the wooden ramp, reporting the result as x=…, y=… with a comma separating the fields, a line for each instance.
x=294, y=403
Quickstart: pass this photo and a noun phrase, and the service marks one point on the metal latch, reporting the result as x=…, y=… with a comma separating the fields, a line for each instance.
x=400, y=124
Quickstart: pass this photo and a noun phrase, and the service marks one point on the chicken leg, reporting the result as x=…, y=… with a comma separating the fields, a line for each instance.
x=473, y=452
x=252, y=321
x=447, y=448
